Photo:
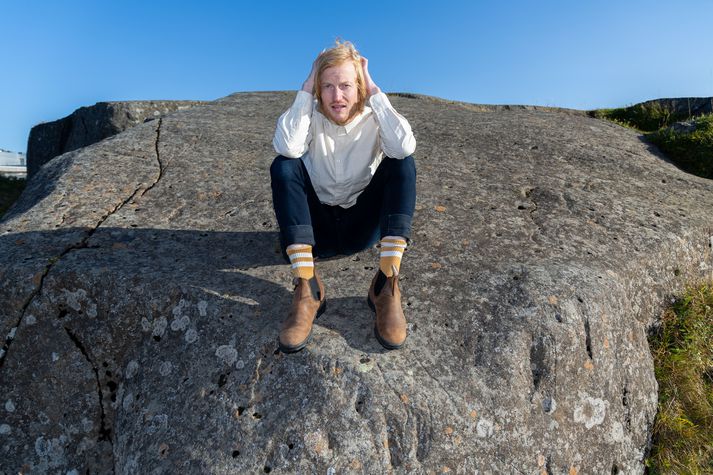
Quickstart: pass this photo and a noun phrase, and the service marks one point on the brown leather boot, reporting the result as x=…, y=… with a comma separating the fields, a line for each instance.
x=385, y=300
x=308, y=303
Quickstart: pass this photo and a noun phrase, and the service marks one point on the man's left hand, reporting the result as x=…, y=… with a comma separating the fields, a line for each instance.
x=371, y=88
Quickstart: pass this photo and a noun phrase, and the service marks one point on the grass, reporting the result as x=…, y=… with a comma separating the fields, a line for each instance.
x=683, y=356
x=642, y=117
x=10, y=190
x=692, y=152
x=682, y=346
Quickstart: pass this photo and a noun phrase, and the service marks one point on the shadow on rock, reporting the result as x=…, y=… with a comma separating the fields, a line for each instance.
x=156, y=266
x=139, y=331
x=353, y=320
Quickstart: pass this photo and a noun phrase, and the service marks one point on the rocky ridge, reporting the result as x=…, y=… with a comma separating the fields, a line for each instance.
x=88, y=125
x=681, y=106
x=142, y=288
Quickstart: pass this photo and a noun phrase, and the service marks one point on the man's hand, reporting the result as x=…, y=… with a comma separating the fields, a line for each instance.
x=371, y=88
x=308, y=85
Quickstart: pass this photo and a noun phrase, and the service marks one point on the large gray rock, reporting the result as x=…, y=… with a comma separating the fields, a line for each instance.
x=88, y=125
x=685, y=107
x=142, y=289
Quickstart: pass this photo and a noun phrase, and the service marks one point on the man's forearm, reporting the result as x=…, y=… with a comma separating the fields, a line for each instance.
x=292, y=131
x=397, y=139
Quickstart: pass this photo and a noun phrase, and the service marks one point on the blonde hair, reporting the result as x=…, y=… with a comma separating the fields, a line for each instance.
x=342, y=52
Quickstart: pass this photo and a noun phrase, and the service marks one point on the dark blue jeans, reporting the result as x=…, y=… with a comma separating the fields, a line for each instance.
x=384, y=208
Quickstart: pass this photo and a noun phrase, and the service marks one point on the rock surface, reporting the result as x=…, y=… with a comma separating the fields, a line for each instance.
x=141, y=291
x=88, y=125
x=683, y=106
x=685, y=127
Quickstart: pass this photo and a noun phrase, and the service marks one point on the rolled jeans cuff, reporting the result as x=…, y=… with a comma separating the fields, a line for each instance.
x=298, y=234
x=397, y=225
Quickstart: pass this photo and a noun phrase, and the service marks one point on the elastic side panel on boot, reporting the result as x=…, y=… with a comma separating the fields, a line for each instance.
x=314, y=288
x=380, y=281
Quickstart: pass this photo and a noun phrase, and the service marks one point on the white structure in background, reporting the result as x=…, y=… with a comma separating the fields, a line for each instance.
x=13, y=164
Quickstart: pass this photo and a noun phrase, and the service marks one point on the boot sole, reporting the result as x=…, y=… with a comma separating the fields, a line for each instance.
x=294, y=349
x=384, y=343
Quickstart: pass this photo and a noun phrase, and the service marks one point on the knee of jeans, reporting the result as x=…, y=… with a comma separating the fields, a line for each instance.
x=404, y=168
x=283, y=168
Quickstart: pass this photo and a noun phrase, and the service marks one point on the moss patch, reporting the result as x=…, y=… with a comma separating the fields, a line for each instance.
x=683, y=356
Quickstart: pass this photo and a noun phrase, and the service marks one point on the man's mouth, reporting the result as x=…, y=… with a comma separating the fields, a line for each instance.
x=339, y=107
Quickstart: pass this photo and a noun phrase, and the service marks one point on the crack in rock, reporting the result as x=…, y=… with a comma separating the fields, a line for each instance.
x=161, y=167
x=528, y=195
x=52, y=262
x=104, y=431
x=450, y=397
x=80, y=245
x=84, y=126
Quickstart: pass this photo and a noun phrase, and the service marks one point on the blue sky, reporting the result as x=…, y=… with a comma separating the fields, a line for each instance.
x=57, y=56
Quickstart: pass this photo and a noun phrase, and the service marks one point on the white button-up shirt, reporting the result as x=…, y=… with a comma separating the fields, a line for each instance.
x=341, y=160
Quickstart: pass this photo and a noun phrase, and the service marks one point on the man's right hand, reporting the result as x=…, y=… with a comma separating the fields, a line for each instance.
x=308, y=85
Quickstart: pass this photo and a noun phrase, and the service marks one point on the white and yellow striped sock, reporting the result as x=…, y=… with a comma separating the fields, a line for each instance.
x=392, y=250
x=301, y=259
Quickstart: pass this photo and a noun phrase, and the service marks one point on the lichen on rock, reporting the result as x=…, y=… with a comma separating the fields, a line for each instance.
x=145, y=300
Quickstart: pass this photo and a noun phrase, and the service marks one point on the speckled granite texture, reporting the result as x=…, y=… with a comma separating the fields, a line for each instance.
x=141, y=291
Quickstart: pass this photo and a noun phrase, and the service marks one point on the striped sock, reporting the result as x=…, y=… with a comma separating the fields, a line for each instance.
x=392, y=249
x=301, y=259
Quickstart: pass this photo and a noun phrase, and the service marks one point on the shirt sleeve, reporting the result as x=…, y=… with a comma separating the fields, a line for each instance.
x=397, y=140
x=292, y=134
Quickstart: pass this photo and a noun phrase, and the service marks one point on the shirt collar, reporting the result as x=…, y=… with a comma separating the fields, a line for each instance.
x=358, y=119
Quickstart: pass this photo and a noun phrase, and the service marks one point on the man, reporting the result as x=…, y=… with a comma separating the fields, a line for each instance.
x=344, y=179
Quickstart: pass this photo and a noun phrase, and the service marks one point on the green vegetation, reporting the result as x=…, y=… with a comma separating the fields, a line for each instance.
x=692, y=151
x=10, y=189
x=683, y=356
x=643, y=117
x=683, y=344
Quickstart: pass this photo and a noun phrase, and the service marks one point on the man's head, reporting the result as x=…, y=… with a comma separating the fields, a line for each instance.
x=339, y=83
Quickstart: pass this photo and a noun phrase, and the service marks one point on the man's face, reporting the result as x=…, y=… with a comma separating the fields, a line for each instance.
x=339, y=94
